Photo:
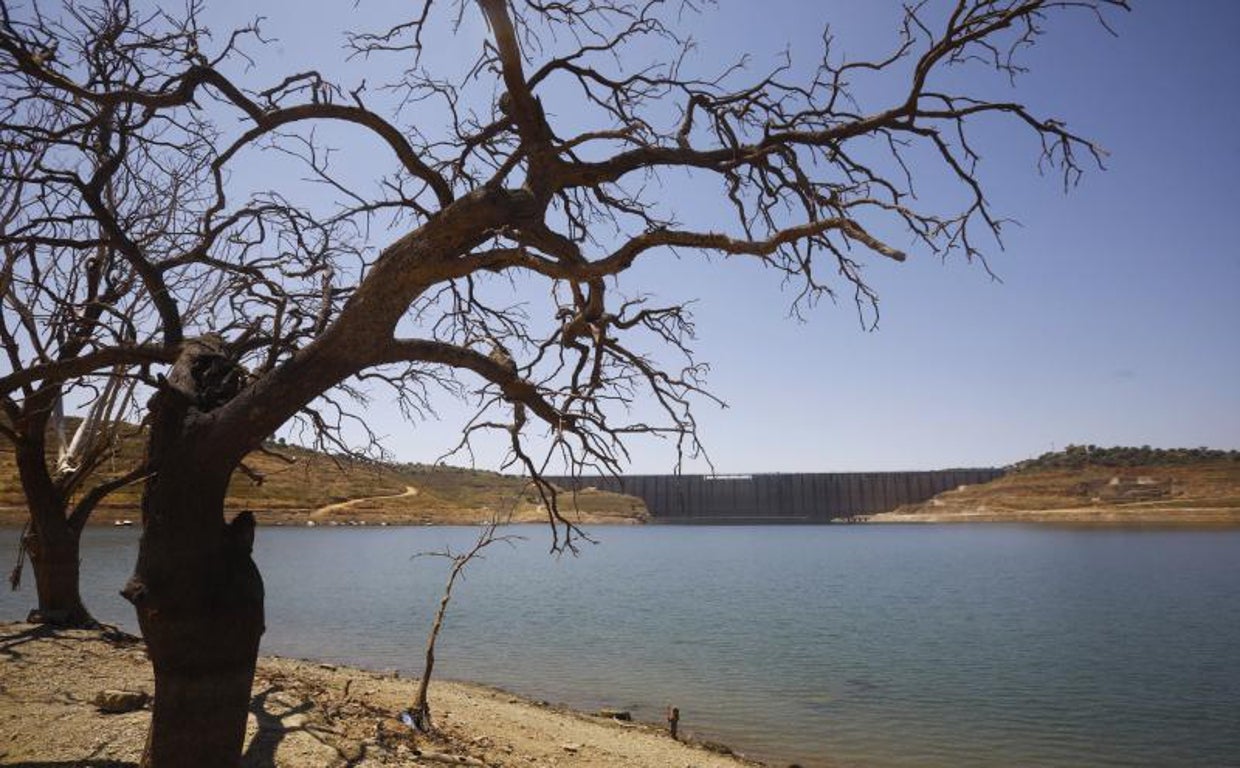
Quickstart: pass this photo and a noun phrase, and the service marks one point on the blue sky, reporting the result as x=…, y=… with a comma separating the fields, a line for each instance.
x=1118, y=315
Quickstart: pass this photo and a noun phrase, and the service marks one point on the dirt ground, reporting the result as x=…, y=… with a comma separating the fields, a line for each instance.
x=1200, y=494
x=303, y=715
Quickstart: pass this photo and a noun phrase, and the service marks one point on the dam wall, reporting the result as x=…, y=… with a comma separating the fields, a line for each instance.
x=780, y=498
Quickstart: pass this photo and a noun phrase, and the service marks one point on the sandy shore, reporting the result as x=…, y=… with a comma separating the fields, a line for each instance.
x=1129, y=515
x=302, y=715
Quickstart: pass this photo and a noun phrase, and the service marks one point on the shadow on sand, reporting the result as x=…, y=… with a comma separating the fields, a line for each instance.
x=261, y=752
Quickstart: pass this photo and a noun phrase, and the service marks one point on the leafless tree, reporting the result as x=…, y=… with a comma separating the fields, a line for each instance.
x=53, y=308
x=61, y=496
x=545, y=169
x=66, y=296
x=488, y=534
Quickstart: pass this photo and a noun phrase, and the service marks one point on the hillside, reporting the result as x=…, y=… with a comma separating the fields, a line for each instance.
x=317, y=488
x=1097, y=485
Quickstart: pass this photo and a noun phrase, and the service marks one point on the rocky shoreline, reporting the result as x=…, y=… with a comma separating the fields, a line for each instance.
x=55, y=686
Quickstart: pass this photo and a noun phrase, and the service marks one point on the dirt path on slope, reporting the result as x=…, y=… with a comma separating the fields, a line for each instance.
x=323, y=512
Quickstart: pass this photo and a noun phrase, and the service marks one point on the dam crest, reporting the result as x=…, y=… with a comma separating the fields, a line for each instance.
x=818, y=497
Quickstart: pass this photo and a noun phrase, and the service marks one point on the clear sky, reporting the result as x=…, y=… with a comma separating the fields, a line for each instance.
x=1118, y=316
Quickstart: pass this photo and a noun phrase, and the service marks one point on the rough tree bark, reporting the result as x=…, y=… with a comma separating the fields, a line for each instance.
x=51, y=539
x=57, y=504
x=53, y=548
x=196, y=589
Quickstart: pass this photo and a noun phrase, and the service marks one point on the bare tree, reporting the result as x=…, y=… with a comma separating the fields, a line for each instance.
x=53, y=310
x=488, y=534
x=61, y=496
x=65, y=297
x=542, y=170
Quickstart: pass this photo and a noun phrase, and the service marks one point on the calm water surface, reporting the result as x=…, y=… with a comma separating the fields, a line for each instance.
x=828, y=646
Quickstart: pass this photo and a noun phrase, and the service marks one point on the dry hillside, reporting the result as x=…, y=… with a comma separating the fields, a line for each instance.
x=1168, y=488
x=316, y=488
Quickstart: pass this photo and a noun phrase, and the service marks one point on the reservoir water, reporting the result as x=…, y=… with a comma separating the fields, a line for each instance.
x=875, y=646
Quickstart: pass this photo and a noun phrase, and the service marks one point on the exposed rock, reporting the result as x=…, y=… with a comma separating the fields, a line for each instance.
x=350, y=750
x=616, y=714
x=116, y=702
x=295, y=721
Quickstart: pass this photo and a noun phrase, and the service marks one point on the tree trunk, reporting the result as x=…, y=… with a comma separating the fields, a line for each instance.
x=51, y=542
x=199, y=600
x=54, y=557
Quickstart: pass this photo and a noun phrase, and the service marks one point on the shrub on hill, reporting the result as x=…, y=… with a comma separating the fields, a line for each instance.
x=1082, y=456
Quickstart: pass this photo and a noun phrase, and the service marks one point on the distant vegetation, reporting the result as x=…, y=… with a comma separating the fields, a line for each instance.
x=1082, y=456
x=1094, y=485
x=302, y=483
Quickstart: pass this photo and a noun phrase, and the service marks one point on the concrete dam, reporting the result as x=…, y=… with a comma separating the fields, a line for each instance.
x=780, y=498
